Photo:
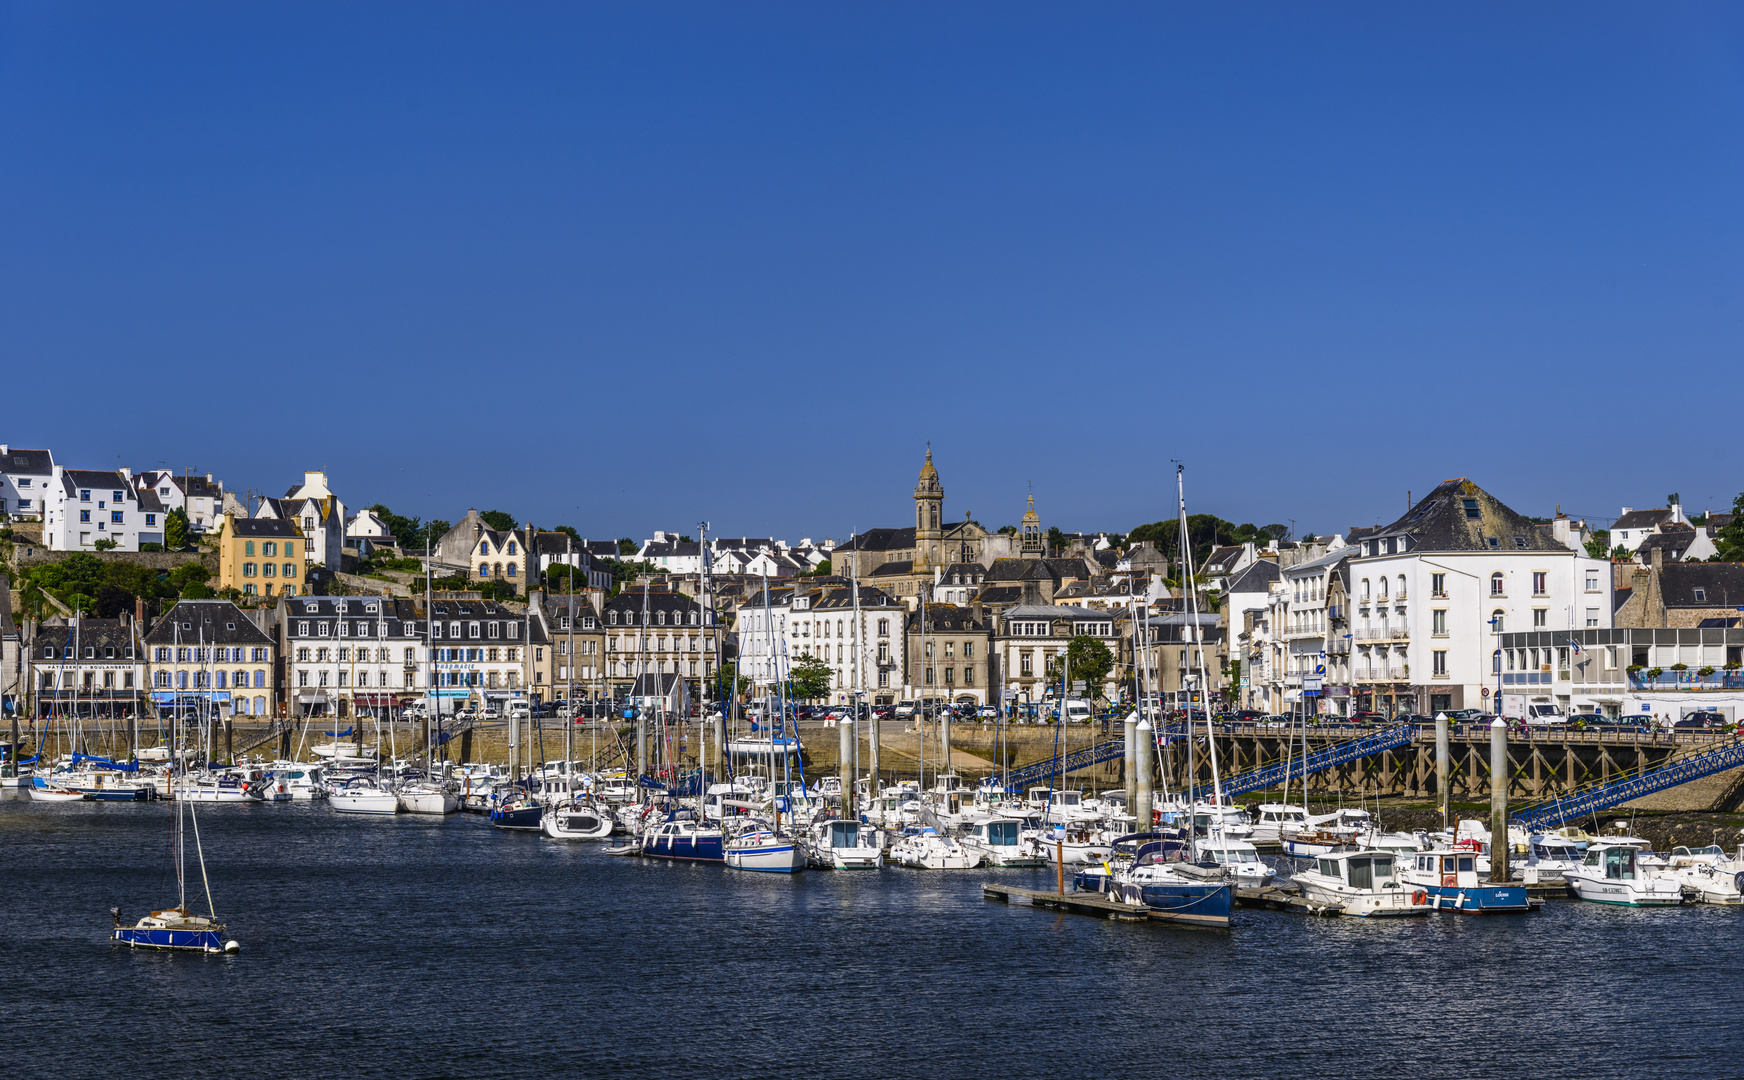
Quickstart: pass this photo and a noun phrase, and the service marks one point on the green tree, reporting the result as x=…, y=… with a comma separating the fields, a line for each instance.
x=112, y=600
x=1087, y=660
x=571, y=530
x=106, y=544
x=820, y=570
x=191, y=576
x=1056, y=539
x=1595, y=546
x=810, y=679
x=497, y=520
x=176, y=529
x=1729, y=538
x=627, y=546
x=729, y=677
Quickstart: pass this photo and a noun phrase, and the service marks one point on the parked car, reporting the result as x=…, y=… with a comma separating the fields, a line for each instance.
x=1700, y=720
x=1367, y=718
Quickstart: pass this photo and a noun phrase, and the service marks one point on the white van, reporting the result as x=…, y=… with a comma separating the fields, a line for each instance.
x=520, y=710
x=1078, y=711
x=1544, y=716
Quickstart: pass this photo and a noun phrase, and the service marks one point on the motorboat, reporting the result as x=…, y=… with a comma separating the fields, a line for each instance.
x=303, y=781
x=1449, y=879
x=1612, y=874
x=999, y=840
x=91, y=785
x=1550, y=858
x=1124, y=853
x=763, y=850
x=1361, y=883
x=1401, y=844
x=362, y=796
x=929, y=849
x=345, y=753
x=173, y=928
x=1215, y=820
x=429, y=797
x=1273, y=821
x=1708, y=874
x=1067, y=808
x=227, y=786
x=838, y=844
x=1311, y=844
x=1240, y=859
x=682, y=839
x=577, y=820
x=1072, y=846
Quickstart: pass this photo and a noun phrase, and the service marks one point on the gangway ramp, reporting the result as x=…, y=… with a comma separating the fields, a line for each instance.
x=1273, y=775
x=1626, y=789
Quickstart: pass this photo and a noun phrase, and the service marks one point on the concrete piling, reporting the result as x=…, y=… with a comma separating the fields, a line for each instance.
x=846, y=728
x=1130, y=770
x=1442, y=782
x=1142, y=774
x=1499, y=801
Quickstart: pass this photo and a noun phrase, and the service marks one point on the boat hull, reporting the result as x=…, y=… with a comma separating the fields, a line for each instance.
x=209, y=941
x=517, y=817
x=380, y=803
x=1623, y=893
x=772, y=858
x=705, y=848
x=429, y=802
x=576, y=825
x=1482, y=900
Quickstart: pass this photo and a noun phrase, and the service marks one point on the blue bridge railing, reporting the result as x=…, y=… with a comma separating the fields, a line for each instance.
x=1604, y=796
x=1337, y=754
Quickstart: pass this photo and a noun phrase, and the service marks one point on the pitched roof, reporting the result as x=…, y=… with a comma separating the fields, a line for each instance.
x=22, y=462
x=271, y=528
x=92, y=633
x=215, y=622
x=946, y=618
x=1460, y=516
x=73, y=479
x=1722, y=585
x=894, y=568
x=879, y=540
x=1642, y=519
x=1256, y=578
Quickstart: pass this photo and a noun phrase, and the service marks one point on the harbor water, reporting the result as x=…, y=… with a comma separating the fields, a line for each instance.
x=412, y=946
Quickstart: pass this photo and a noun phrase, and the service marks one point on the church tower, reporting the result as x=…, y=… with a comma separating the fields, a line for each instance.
x=1030, y=535
x=929, y=505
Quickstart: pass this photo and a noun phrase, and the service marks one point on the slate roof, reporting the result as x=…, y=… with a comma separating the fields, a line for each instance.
x=655, y=549
x=1460, y=516
x=74, y=479
x=22, y=462
x=946, y=619
x=1001, y=594
x=1256, y=578
x=842, y=598
x=1722, y=584
x=1642, y=519
x=1330, y=559
x=214, y=622
x=197, y=487
x=894, y=568
x=627, y=605
x=879, y=540
x=1674, y=540
x=7, y=628
x=97, y=634
x=271, y=528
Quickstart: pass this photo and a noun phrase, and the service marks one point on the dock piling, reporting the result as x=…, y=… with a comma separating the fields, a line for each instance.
x=1499, y=801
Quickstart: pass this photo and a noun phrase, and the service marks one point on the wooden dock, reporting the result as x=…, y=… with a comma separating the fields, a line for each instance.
x=1075, y=902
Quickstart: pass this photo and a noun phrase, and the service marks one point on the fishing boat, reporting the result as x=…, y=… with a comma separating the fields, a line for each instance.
x=1361, y=883
x=578, y=820
x=1450, y=881
x=1000, y=842
x=844, y=845
x=1550, y=858
x=1612, y=874
x=764, y=850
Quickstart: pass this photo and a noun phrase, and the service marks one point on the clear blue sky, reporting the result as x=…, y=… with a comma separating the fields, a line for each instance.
x=633, y=266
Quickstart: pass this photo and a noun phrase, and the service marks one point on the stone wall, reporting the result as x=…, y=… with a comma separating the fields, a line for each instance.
x=24, y=555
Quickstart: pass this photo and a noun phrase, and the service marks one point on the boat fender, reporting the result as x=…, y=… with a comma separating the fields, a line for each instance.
x=1419, y=897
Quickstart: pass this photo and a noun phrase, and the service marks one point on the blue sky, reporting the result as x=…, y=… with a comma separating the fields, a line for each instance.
x=634, y=266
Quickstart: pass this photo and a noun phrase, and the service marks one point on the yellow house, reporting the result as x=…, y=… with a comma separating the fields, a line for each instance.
x=261, y=556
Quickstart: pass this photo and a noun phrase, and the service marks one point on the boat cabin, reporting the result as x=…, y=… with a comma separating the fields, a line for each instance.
x=1614, y=862
x=1359, y=871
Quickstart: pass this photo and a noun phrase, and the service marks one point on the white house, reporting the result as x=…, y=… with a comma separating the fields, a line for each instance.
x=1634, y=526
x=817, y=620
x=1432, y=593
x=24, y=480
x=199, y=497
x=318, y=511
x=672, y=553
x=87, y=507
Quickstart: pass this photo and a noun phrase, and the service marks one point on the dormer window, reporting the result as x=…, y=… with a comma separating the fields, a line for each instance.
x=1493, y=541
x=1472, y=513
x=1520, y=542
x=1701, y=596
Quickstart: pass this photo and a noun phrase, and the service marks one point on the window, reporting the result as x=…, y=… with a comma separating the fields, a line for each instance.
x=1592, y=581
x=1539, y=582
x=1438, y=622
x=484, y=569
x=484, y=547
x=1365, y=589
x=1496, y=587
x=290, y=570
x=290, y=549
x=1701, y=596
x=1592, y=617
x=1498, y=621
x=269, y=569
x=511, y=569
x=1438, y=663
x=267, y=547
x=1382, y=594
x=511, y=547
x=1471, y=509
x=150, y=519
x=84, y=515
x=1540, y=617
x=248, y=547
x=84, y=494
x=1496, y=662
x=883, y=627
x=248, y=569
x=1438, y=585
x=115, y=517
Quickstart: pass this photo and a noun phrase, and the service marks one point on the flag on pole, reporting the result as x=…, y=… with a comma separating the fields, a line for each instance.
x=1573, y=644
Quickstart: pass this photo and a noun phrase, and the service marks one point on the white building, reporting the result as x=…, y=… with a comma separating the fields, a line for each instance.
x=1432, y=592
x=320, y=514
x=816, y=619
x=24, y=480
x=1307, y=627
x=199, y=497
x=85, y=508
x=672, y=553
x=1633, y=526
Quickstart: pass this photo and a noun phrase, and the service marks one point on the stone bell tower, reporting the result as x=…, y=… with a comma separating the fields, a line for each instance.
x=1030, y=534
x=929, y=506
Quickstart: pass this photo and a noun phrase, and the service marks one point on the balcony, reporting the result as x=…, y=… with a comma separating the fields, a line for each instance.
x=1382, y=633
x=1393, y=673
x=1338, y=646
x=1335, y=611
x=1719, y=679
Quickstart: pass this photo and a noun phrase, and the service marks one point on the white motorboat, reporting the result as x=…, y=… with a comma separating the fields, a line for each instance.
x=1550, y=858
x=1073, y=846
x=1707, y=874
x=429, y=797
x=224, y=787
x=844, y=845
x=1239, y=858
x=579, y=820
x=303, y=781
x=1612, y=874
x=1361, y=883
x=1274, y=821
x=344, y=753
x=1214, y=820
x=363, y=797
x=999, y=840
x=931, y=850
x=765, y=851
x=1394, y=843
x=1067, y=808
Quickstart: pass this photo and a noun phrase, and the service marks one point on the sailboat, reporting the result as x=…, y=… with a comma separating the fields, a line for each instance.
x=177, y=927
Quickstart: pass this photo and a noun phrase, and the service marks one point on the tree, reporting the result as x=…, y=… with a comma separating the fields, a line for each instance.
x=729, y=677
x=569, y=529
x=820, y=570
x=112, y=601
x=1276, y=531
x=407, y=532
x=810, y=679
x=627, y=546
x=190, y=580
x=435, y=531
x=1056, y=539
x=497, y=520
x=1595, y=546
x=1729, y=538
x=1007, y=530
x=1087, y=660
x=176, y=529
x=107, y=544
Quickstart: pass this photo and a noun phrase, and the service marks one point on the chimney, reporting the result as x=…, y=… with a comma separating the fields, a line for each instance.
x=975, y=610
x=139, y=609
x=1657, y=555
x=1032, y=594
